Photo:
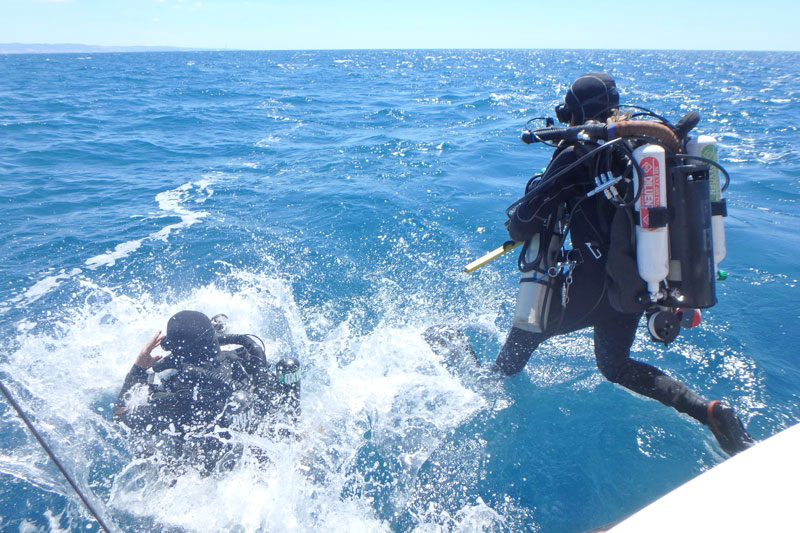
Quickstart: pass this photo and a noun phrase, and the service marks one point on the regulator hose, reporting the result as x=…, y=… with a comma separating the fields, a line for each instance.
x=616, y=130
x=644, y=128
x=686, y=124
x=564, y=134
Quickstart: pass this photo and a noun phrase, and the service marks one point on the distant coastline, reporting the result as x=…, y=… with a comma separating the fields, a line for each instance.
x=21, y=48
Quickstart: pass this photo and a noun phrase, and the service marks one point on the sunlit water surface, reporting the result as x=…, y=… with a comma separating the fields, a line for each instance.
x=327, y=202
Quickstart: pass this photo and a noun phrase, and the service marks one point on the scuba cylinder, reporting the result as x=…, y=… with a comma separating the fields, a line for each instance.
x=288, y=371
x=706, y=146
x=536, y=283
x=289, y=374
x=652, y=236
x=691, y=268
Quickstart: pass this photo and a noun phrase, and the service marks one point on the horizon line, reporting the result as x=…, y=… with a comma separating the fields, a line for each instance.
x=44, y=48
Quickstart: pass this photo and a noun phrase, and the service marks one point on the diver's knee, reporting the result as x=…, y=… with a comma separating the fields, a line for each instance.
x=610, y=370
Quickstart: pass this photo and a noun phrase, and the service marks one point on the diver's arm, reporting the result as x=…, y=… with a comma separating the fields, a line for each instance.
x=255, y=363
x=527, y=218
x=255, y=352
x=273, y=396
x=146, y=359
x=256, y=366
x=138, y=372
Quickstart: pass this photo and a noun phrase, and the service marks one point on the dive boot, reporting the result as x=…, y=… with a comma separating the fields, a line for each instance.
x=727, y=428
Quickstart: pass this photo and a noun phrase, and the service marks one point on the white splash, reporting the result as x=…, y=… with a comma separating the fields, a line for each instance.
x=382, y=389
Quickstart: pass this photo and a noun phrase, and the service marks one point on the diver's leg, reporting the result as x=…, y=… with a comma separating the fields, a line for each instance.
x=516, y=351
x=585, y=296
x=613, y=339
x=451, y=344
x=612, y=342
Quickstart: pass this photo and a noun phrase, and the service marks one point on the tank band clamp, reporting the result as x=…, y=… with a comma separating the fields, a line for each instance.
x=546, y=281
x=658, y=217
x=719, y=209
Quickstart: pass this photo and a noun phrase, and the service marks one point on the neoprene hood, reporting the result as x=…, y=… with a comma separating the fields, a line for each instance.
x=591, y=97
x=191, y=337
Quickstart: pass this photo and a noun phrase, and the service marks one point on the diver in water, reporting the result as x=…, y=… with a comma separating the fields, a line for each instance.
x=187, y=402
x=601, y=281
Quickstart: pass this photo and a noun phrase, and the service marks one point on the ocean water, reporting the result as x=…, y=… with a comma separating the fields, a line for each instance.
x=327, y=202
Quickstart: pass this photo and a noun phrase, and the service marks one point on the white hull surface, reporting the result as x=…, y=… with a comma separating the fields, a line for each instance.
x=756, y=490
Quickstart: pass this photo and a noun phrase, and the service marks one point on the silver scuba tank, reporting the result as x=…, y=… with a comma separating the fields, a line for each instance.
x=536, y=285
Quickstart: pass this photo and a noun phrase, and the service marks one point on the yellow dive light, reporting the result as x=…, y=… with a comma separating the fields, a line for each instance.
x=491, y=256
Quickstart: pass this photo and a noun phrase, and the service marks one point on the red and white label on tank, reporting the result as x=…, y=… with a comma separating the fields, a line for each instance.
x=651, y=188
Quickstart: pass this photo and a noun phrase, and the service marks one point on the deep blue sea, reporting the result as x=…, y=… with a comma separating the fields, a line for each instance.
x=327, y=202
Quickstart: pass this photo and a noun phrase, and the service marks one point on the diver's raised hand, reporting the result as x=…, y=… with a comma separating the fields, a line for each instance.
x=145, y=359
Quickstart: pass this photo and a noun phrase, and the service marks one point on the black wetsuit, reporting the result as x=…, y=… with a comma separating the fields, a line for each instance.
x=186, y=415
x=599, y=296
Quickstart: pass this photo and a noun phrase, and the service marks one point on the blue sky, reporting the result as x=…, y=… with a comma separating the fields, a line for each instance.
x=332, y=24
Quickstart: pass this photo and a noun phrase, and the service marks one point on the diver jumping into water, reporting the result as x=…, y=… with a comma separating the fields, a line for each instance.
x=601, y=189
x=202, y=390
